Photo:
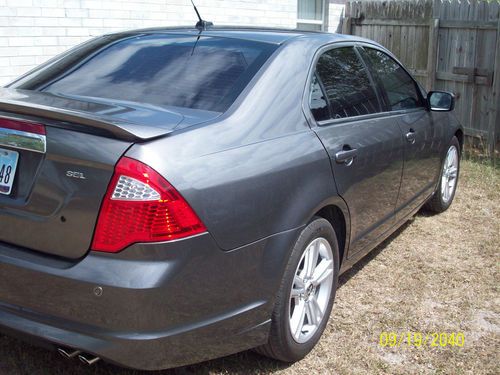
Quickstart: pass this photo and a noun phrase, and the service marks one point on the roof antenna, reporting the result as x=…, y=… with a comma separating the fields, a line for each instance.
x=201, y=24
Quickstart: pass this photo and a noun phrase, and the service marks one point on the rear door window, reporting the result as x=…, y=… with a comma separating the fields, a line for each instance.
x=346, y=83
x=401, y=91
x=199, y=72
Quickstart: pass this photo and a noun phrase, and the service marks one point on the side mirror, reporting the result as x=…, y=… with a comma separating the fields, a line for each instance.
x=441, y=101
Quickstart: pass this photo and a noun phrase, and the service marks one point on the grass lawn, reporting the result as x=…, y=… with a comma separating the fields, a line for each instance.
x=436, y=274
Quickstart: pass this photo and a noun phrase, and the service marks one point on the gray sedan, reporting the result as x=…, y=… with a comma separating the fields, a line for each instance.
x=168, y=196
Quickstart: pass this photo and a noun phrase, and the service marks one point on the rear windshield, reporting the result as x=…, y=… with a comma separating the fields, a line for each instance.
x=199, y=72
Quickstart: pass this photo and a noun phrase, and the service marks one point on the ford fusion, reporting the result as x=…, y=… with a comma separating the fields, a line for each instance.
x=168, y=196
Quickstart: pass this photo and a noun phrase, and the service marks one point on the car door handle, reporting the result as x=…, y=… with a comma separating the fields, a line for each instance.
x=346, y=156
x=411, y=136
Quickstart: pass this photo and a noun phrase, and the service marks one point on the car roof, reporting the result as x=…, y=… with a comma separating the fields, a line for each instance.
x=259, y=34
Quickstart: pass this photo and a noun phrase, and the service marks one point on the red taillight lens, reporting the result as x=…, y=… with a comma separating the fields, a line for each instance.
x=24, y=126
x=141, y=206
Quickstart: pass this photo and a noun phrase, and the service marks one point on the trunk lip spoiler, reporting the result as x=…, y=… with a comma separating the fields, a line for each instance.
x=120, y=129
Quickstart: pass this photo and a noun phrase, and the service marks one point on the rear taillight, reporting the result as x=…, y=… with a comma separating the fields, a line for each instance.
x=22, y=126
x=141, y=206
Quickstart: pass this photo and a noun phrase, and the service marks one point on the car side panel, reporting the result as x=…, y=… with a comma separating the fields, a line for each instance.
x=250, y=192
x=422, y=159
x=257, y=170
x=371, y=183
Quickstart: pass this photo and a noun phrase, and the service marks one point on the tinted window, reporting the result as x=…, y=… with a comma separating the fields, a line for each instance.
x=346, y=83
x=317, y=101
x=161, y=69
x=401, y=91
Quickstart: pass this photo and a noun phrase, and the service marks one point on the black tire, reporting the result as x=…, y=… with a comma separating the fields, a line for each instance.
x=281, y=345
x=436, y=204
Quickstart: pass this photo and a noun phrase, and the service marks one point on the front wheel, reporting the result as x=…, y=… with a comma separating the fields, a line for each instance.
x=447, y=187
x=306, y=296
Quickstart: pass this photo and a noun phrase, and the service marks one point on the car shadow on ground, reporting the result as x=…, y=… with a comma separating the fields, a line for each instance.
x=346, y=276
x=18, y=357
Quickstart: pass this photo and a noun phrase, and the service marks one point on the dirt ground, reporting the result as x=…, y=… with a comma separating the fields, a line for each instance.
x=436, y=274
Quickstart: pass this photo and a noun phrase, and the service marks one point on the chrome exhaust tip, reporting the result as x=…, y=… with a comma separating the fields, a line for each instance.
x=67, y=354
x=88, y=361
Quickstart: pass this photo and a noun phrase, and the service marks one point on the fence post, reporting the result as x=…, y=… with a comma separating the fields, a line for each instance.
x=432, y=53
x=494, y=118
x=346, y=26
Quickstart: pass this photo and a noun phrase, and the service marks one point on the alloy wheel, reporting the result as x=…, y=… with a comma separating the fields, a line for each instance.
x=450, y=173
x=311, y=290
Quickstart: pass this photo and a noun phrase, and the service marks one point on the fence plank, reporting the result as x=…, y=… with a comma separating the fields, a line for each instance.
x=494, y=123
x=383, y=22
x=483, y=25
x=432, y=53
x=346, y=25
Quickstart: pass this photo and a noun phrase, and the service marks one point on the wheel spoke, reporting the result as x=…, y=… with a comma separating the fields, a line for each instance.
x=322, y=271
x=311, y=316
x=297, y=321
x=298, y=287
x=454, y=157
x=297, y=281
x=452, y=172
x=311, y=259
x=314, y=313
x=317, y=309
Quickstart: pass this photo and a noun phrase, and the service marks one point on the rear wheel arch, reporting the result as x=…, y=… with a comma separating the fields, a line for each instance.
x=336, y=217
x=283, y=344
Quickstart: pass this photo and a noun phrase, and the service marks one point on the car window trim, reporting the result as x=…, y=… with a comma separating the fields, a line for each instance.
x=371, y=116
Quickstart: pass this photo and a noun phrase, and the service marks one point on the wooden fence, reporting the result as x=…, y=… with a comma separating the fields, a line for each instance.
x=447, y=45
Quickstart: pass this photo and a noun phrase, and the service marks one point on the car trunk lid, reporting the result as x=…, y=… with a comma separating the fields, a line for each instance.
x=61, y=176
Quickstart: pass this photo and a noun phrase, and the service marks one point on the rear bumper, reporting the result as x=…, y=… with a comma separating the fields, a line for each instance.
x=162, y=305
x=146, y=350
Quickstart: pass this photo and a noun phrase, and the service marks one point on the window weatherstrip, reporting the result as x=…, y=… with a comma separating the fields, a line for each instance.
x=369, y=116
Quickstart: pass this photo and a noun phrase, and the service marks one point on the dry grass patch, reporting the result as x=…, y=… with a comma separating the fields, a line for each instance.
x=437, y=274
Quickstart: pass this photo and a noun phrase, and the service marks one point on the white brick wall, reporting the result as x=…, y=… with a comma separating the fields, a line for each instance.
x=32, y=31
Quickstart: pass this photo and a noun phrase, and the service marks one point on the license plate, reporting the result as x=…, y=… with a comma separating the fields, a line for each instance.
x=8, y=165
